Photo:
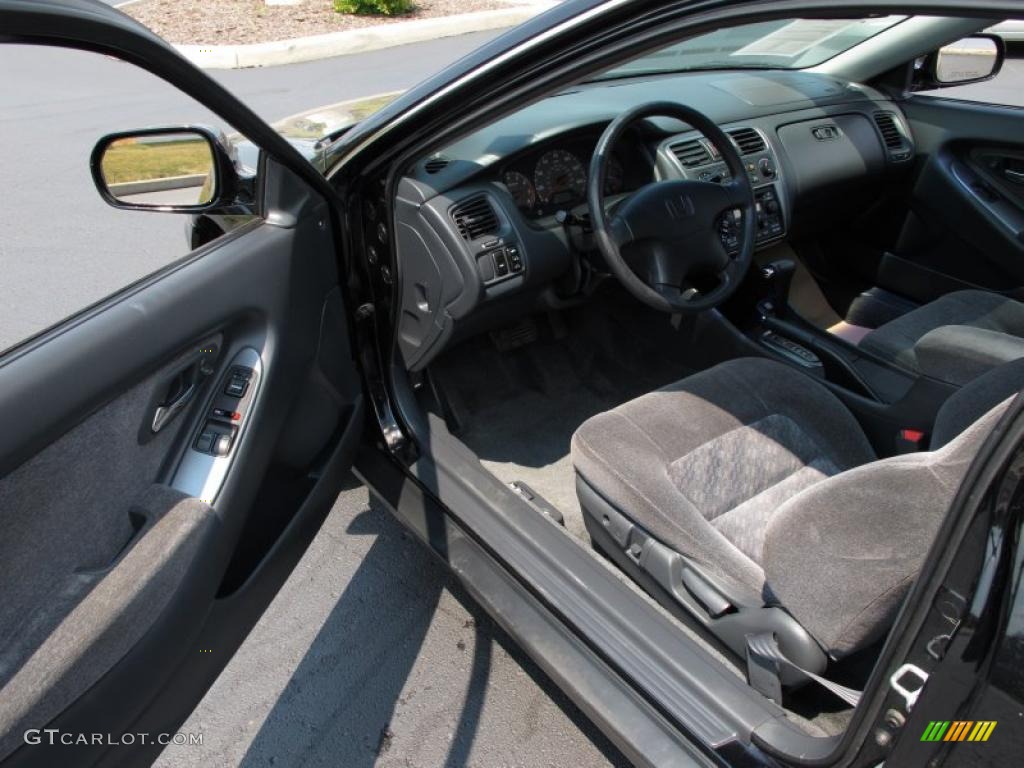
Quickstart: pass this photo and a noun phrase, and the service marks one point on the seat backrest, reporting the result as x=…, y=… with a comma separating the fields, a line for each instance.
x=974, y=400
x=842, y=555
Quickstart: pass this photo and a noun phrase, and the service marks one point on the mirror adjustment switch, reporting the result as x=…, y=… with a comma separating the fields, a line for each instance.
x=515, y=261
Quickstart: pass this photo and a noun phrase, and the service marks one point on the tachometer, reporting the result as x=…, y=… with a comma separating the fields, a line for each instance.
x=521, y=188
x=560, y=177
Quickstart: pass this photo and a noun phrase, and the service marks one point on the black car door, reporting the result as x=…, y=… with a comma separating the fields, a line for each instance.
x=965, y=226
x=137, y=549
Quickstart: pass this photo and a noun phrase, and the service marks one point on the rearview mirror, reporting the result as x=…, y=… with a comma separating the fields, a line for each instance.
x=183, y=169
x=969, y=60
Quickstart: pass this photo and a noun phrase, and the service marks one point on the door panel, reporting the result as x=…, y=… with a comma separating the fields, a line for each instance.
x=966, y=221
x=118, y=537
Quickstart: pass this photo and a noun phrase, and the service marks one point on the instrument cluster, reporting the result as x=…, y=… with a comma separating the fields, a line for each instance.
x=554, y=178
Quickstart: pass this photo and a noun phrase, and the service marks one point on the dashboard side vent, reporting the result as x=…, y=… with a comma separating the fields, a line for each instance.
x=691, y=153
x=436, y=164
x=891, y=134
x=475, y=218
x=747, y=140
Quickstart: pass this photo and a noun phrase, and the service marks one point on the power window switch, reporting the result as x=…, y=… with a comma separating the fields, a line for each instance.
x=204, y=443
x=236, y=386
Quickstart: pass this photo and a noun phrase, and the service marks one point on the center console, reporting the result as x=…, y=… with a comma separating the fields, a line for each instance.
x=887, y=399
x=770, y=224
x=695, y=157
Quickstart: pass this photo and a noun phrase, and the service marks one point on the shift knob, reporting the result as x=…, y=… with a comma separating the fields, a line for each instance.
x=779, y=274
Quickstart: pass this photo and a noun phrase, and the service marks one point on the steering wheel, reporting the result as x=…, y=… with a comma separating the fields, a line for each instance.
x=662, y=241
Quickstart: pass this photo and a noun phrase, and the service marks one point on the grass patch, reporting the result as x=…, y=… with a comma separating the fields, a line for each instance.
x=129, y=160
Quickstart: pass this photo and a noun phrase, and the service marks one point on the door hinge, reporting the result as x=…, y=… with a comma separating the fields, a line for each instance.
x=394, y=439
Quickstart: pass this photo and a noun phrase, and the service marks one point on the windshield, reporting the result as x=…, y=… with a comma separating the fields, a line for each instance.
x=785, y=44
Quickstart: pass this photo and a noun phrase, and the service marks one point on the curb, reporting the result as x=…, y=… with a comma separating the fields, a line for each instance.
x=157, y=185
x=351, y=41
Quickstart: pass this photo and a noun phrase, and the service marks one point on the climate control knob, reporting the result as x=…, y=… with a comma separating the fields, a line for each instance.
x=766, y=167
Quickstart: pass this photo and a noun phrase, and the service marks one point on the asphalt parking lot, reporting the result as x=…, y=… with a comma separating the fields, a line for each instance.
x=372, y=655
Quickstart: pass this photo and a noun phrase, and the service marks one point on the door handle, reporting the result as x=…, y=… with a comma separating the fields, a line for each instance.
x=1017, y=177
x=169, y=410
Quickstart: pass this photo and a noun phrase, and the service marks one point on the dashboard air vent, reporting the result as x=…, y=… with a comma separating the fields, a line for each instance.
x=747, y=140
x=891, y=135
x=436, y=164
x=475, y=218
x=691, y=153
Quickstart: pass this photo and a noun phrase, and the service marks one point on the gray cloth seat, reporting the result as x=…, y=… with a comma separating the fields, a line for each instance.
x=763, y=479
x=954, y=338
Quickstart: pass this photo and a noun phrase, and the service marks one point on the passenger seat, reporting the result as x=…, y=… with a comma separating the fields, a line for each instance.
x=955, y=338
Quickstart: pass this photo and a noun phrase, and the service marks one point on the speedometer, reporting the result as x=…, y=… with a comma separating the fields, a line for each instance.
x=560, y=177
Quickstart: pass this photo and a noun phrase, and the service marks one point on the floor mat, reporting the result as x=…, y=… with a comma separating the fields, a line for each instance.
x=527, y=438
x=517, y=410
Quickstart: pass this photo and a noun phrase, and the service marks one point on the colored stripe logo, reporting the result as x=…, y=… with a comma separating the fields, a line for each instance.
x=958, y=730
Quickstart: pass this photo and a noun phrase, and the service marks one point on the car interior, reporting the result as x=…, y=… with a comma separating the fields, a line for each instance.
x=737, y=328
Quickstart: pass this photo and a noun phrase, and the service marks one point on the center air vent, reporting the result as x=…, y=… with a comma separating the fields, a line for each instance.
x=747, y=140
x=891, y=135
x=436, y=164
x=475, y=218
x=691, y=153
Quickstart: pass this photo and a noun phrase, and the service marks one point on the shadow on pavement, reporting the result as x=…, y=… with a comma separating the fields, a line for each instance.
x=339, y=704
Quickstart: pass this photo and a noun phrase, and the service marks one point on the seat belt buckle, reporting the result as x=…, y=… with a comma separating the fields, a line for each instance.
x=911, y=441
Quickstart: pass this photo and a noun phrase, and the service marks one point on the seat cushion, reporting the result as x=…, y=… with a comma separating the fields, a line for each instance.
x=704, y=463
x=954, y=338
x=842, y=555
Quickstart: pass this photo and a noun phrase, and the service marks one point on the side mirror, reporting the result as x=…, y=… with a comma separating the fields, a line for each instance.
x=179, y=170
x=971, y=59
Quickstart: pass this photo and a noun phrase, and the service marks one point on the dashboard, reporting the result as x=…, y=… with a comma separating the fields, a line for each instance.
x=477, y=238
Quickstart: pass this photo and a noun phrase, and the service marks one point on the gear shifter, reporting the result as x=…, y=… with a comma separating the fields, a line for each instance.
x=777, y=276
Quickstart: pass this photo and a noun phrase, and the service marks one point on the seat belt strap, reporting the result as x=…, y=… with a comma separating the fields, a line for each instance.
x=765, y=663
